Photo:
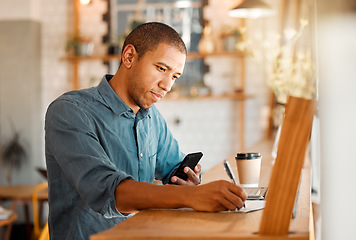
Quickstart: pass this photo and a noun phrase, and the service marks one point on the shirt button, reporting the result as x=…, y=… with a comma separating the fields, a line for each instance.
x=141, y=154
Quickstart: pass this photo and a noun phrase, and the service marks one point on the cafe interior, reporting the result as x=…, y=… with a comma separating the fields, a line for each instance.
x=248, y=62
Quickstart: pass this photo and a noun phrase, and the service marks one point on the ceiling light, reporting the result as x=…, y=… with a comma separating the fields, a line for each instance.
x=85, y=2
x=183, y=4
x=252, y=9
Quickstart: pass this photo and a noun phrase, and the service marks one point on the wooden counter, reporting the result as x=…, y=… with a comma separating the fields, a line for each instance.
x=189, y=224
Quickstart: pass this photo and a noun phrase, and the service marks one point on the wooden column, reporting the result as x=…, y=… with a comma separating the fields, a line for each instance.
x=242, y=103
x=283, y=186
x=75, y=76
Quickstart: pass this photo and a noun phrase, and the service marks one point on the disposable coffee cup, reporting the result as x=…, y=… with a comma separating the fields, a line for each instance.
x=248, y=168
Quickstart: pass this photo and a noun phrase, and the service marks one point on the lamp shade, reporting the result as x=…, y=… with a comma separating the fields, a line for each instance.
x=85, y=2
x=252, y=9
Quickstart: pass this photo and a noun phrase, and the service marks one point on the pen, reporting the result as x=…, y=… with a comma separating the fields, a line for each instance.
x=230, y=173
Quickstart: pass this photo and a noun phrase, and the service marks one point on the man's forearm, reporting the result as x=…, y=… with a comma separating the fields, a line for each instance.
x=132, y=196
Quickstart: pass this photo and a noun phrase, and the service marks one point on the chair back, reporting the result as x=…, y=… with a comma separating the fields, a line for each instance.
x=38, y=234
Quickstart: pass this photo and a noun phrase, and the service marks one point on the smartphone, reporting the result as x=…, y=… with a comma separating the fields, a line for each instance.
x=191, y=160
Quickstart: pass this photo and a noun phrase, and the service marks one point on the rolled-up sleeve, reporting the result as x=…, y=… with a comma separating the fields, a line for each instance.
x=72, y=140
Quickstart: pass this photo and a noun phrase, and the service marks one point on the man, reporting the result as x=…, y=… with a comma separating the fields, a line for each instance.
x=105, y=145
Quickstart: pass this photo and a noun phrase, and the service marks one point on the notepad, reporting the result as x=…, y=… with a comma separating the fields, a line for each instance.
x=252, y=205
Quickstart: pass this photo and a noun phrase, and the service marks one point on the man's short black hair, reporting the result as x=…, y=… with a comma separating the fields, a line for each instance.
x=148, y=36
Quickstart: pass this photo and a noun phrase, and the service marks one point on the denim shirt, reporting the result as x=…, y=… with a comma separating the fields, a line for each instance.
x=93, y=142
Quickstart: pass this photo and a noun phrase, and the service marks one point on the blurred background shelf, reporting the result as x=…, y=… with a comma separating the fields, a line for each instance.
x=239, y=96
x=190, y=56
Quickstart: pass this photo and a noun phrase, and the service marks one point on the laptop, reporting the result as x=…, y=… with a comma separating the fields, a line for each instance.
x=256, y=193
x=253, y=193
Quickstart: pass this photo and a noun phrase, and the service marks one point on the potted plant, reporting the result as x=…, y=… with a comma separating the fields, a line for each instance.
x=291, y=70
x=13, y=156
x=230, y=36
x=80, y=46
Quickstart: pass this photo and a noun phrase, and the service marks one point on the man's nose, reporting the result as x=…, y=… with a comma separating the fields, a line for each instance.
x=166, y=83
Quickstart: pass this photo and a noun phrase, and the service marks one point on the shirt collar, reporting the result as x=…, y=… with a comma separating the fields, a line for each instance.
x=114, y=101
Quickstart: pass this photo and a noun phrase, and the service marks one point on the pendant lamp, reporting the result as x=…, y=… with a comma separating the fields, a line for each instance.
x=85, y=2
x=252, y=9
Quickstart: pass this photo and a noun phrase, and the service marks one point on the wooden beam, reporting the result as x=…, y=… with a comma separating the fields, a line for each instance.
x=76, y=17
x=75, y=76
x=283, y=186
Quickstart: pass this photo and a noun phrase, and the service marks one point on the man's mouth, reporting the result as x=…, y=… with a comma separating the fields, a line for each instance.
x=158, y=96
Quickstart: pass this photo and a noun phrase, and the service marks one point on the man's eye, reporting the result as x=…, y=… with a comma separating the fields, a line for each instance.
x=175, y=77
x=162, y=69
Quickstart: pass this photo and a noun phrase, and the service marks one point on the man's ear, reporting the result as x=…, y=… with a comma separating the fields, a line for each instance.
x=128, y=55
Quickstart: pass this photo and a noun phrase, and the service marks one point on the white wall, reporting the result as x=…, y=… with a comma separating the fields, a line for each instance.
x=19, y=9
x=20, y=84
x=337, y=68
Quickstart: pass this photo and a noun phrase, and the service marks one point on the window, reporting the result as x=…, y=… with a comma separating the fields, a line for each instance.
x=184, y=16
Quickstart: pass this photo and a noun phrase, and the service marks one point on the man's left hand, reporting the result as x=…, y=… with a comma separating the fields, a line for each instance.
x=193, y=176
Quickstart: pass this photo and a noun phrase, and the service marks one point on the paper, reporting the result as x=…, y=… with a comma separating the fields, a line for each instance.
x=252, y=205
x=5, y=213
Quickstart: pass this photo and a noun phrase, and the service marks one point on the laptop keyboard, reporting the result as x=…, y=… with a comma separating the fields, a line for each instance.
x=256, y=192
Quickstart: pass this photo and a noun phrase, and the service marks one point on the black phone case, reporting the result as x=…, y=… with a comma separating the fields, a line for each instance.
x=191, y=160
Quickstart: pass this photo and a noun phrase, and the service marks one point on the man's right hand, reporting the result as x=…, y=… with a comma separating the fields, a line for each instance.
x=132, y=196
x=217, y=196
